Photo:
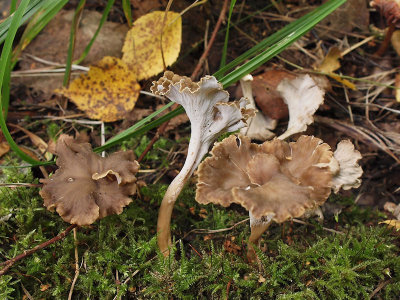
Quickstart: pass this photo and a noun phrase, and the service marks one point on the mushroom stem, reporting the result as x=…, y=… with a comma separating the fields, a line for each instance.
x=195, y=152
x=256, y=232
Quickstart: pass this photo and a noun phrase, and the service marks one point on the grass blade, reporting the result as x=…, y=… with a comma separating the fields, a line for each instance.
x=4, y=60
x=126, y=6
x=106, y=11
x=132, y=131
x=41, y=18
x=317, y=14
x=32, y=8
x=225, y=49
x=72, y=38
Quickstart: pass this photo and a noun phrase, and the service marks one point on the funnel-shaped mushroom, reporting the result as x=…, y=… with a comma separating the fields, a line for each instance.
x=273, y=181
x=210, y=114
x=87, y=187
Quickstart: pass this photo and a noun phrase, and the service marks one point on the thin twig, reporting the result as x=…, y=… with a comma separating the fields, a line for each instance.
x=162, y=31
x=76, y=267
x=212, y=39
x=379, y=287
x=309, y=224
x=19, y=184
x=9, y=263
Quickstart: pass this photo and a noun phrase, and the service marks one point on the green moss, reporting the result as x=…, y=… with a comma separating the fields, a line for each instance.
x=301, y=262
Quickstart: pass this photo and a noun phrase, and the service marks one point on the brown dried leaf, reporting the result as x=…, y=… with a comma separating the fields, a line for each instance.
x=107, y=92
x=267, y=97
x=4, y=146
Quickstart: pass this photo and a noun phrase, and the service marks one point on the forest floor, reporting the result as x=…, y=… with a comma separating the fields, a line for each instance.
x=349, y=254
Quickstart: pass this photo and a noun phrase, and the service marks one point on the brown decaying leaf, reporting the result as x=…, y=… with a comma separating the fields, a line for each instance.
x=4, y=146
x=142, y=47
x=36, y=140
x=51, y=43
x=350, y=15
x=107, y=92
x=268, y=99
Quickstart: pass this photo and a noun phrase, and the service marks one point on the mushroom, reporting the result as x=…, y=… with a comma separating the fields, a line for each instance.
x=274, y=181
x=260, y=123
x=87, y=187
x=210, y=114
x=303, y=97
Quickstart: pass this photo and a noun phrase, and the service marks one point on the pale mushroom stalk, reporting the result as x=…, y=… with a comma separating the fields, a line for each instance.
x=175, y=188
x=257, y=227
x=259, y=124
x=210, y=114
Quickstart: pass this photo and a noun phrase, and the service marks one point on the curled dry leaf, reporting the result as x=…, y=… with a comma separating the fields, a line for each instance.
x=142, y=48
x=87, y=187
x=107, y=92
x=267, y=97
x=303, y=97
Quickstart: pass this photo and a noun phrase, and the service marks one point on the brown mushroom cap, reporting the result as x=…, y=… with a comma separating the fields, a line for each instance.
x=276, y=179
x=87, y=187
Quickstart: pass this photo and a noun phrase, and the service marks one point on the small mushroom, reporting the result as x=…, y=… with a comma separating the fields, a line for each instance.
x=273, y=181
x=210, y=114
x=303, y=97
x=87, y=187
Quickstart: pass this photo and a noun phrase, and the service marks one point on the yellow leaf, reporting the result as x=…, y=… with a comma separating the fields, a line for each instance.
x=343, y=81
x=397, y=85
x=396, y=41
x=142, y=49
x=392, y=223
x=331, y=61
x=107, y=92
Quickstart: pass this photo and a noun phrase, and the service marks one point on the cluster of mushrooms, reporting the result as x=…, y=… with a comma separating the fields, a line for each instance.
x=274, y=181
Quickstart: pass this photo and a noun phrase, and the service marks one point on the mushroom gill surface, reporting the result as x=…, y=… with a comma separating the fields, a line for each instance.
x=275, y=179
x=87, y=187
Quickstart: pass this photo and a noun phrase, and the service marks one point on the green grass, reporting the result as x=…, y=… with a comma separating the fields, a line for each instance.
x=301, y=262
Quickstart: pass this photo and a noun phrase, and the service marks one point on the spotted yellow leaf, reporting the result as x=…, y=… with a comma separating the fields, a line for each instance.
x=392, y=223
x=107, y=92
x=142, y=47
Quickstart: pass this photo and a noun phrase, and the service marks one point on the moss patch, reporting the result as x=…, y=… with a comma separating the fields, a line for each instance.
x=118, y=255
